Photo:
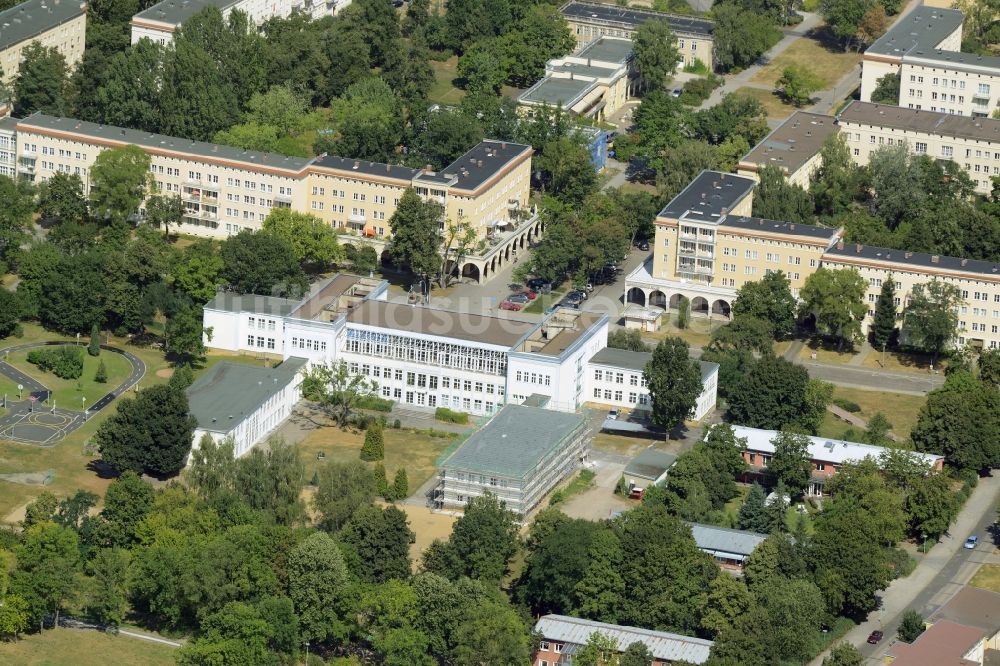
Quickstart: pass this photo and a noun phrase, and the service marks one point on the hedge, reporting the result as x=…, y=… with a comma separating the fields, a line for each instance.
x=65, y=361
x=450, y=416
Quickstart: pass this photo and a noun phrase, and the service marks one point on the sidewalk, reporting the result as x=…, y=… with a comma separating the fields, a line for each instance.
x=905, y=593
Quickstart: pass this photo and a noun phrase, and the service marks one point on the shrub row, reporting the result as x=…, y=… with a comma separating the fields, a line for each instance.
x=65, y=361
x=450, y=416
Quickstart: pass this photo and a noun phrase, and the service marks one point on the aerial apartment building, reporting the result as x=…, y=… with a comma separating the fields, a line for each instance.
x=924, y=49
x=708, y=244
x=226, y=190
x=562, y=636
x=58, y=24
x=159, y=22
x=793, y=147
x=589, y=21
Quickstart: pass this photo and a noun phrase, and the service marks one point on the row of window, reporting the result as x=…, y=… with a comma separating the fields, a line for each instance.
x=533, y=378
x=619, y=377
x=260, y=323
x=633, y=397
x=309, y=343
x=260, y=342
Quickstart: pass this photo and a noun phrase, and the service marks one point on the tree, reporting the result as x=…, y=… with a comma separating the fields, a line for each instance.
x=791, y=463
x=337, y=390
x=343, y=489
x=728, y=598
x=10, y=312
x=844, y=654
x=558, y=560
x=567, y=170
x=374, y=446
x=683, y=312
x=313, y=241
x=185, y=336
x=261, y=263
x=317, y=586
x=128, y=95
x=873, y=24
x=777, y=199
x=164, y=211
x=887, y=90
x=119, y=181
x=482, y=543
x=798, y=83
x=636, y=654
x=400, y=484
x=771, y=394
x=363, y=258
x=127, y=502
x=741, y=36
x=834, y=298
x=884, y=322
x=898, y=191
x=197, y=272
x=270, y=479
x=446, y=135
x=959, y=421
x=42, y=82
x=989, y=367
x=600, y=650
x=379, y=543
x=15, y=215
x=72, y=297
x=656, y=54
x=101, y=375
x=47, y=559
x=151, y=432
x=674, y=382
x=61, y=198
x=14, y=615
x=931, y=505
x=40, y=510
x=844, y=16
x=753, y=513
x=416, y=238
x=878, y=430
x=195, y=99
x=109, y=600
x=768, y=300
x=931, y=316
x=911, y=627
x=629, y=339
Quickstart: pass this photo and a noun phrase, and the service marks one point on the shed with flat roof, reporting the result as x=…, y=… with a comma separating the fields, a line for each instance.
x=649, y=467
x=729, y=547
x=519, y=455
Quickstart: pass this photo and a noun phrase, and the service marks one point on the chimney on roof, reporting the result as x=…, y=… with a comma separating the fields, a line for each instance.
x=792, y=226
x=388, y=168
x=428, y=168
x=857, y=248
x=907, y=255
x=479, y=163
x=965, y=261
x=724, y=211
x=356, y=165
x=935, y=259
x=840, y=245
x=503, y=145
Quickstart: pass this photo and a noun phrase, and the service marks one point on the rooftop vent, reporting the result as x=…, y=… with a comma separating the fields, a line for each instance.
x=935, y=259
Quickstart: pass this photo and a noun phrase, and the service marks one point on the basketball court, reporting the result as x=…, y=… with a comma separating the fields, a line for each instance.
x=38, y=424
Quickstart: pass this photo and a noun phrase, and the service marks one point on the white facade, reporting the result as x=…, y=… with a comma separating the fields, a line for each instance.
x=162, y=20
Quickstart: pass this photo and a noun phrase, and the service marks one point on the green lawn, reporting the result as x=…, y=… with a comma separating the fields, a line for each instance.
x=67, y=392
x=987, y=578
x=828, y=64
x=774, y=106
x=902, y=410
x=58, y=647
x=444, y=91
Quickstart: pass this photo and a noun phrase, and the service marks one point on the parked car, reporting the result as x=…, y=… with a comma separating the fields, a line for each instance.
x=613, y=414
x=519, y=297
x=875, y=637
x=565, y=303
x=508, y=305
x=971, y=542
x=676, y=92
x=643, y=246
x=573, y=298
x=581, y=293
x=532, y=295
x=535, y=283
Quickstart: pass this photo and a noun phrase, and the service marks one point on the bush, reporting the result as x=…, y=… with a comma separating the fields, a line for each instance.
x=697, y=67
x=697, y=91
x=18, y=331
x=374, y=446
x=901, y=562
x=400, y=485
x=450, y=416
x=374, y=403
x=396, y=425
x=911, y=627
x=101, y=376
x=847, y=405
x=94, y=348
x=65, y=361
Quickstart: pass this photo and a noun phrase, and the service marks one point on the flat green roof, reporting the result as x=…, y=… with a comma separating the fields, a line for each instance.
x=514, y=441
x=229, y=392
x=551, y=90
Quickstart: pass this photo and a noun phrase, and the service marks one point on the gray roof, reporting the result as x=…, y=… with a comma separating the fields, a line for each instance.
x=774, y=226
x=474, y=328
x=663, y=645
x=31, y=18
x=635, y=360
x=366, y=167
x=792, y=143
x=650, y=464
x=725, y=541
x=918, y=35
x=515, y=441
x=122, y=136
x=909, y=260
x=608, y=49
x=557, y=90
x=229, y=392
x=272, y=305
x=9, y=123
x=708, y=195
x=175, y=12
x=483, y=161
x=921, y=121
x=631, y=18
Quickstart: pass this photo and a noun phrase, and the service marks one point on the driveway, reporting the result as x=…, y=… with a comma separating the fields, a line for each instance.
x=941, y=573
x=600, y=501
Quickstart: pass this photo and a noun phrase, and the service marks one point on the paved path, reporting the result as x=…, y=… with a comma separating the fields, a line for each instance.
x=941, y=573
x=28, y=423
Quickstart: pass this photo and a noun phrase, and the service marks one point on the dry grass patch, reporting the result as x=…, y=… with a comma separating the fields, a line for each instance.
x=428, y=526
x=901, y=362
x=774, y=106
x=829, y=65
x=58, y=647
x=902, y=410
x=444, y=90
x=987, y=578
x=621, y=445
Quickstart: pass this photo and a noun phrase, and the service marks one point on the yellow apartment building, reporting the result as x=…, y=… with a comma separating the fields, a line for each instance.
x=226, y=190
x=793, y=147
x=708, y=245
x=61, y=24
x=590, y=20
x=978, y=281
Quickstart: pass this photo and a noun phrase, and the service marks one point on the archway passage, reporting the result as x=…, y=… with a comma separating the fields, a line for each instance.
x=675, y=301
x=470, y=271
x=658, y=299
x=721, y=307
x=699, y=304
x=636, y=295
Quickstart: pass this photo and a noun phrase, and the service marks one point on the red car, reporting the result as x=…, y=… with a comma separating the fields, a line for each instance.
x=529, y=293
x=507, y=305
x=875, y=637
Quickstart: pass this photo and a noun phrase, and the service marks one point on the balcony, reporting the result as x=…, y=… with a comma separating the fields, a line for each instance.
x=695, y=270
x=357, y=218
x=283, y=197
